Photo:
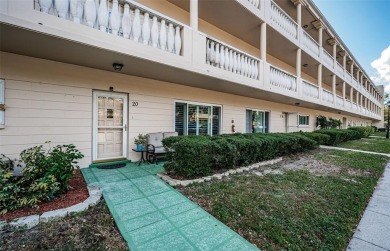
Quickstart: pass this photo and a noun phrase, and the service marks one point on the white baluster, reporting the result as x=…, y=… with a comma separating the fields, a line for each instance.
x=115, y=18
x=217, y=58
x=250, y=68
x=45, y=5
x=154, y=32
x=76, y=9
x=243, y=65
x=212, y=53
x=256, y=70
x=177, y=41
x=136, y=25
x=227, y=58
x=126, y=22
x=234, y=62
x=146, y=29
x=62, y=7
x=163, y=35
x=257, y=3
x=231, y=60
x=171, y=38
x=222, y=58
x=90, y=12
x=103, y=15
x=238, y=64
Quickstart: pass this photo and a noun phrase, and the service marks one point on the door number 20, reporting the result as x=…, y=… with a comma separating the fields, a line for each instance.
x=134, y=103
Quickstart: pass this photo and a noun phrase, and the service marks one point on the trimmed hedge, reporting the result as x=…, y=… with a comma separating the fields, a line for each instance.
x=320, y=138
x=364, y=131
x=341, y=135
x=195, y=156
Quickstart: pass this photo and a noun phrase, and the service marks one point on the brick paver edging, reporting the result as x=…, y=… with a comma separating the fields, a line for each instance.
x=175, y=182
x=31, y=221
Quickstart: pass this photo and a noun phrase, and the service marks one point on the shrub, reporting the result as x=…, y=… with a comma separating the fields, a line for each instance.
x=318, y=137
x=337, y=136
x=195, y=156
x=364, y=131
x=45, y=175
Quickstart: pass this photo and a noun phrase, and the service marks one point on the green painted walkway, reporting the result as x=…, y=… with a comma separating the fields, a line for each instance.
x=153, y=216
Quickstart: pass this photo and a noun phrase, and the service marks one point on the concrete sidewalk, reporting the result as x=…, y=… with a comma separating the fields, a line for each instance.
x=353, y=150
x=151, y=215
x=373, y=231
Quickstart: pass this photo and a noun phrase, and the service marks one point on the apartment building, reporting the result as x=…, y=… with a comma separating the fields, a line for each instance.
x=97, y=73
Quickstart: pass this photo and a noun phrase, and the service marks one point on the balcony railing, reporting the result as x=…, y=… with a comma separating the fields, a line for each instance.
x=354, y=82
x=255, y=3
x=282, y=79
x=327, y=96
x=130, y=21
x=328, y=59
x=339, y=101
x=310, y=44
x=309, y=89
x=283, y=20
x=354, y=106
x=349, y=77
x=340, y=69
x=348, y=104
x=227, y=58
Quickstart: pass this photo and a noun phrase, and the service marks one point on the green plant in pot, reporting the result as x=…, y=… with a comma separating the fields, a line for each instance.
x=141, y=141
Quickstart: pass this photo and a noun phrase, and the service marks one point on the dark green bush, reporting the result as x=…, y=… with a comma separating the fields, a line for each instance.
x=45, y=176
x=364, y=131
x=195, y=156
x=320, y=138
x=339, y=135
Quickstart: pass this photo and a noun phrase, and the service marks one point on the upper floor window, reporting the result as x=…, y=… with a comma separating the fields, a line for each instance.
x=303, y=119
x=197, y=119
x=257, y=121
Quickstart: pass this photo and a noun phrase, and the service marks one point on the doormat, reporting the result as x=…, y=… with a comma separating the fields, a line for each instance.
x=111, y=166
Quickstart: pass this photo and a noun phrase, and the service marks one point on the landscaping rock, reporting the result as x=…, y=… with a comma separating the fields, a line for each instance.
x=218, y=176
x=93, y=200
x=77, y=208
x=25, y=222
x=93, y=190
x=208, y=178
x=54, y=215
x=258, y=174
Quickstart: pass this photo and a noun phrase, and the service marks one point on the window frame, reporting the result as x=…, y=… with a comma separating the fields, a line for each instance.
x=187, y=103
x=299, y=120
x=258, y=110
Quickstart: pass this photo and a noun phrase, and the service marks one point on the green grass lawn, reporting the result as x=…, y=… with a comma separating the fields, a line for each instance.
x=298, y=210
x=380, y=134
x=379, y=145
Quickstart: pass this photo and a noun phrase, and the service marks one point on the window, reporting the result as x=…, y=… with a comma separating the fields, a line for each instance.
x=257, y=121
x=197, y=119
x=2, y=107
x=303, y=120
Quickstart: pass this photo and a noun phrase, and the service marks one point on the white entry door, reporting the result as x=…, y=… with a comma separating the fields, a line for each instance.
x=109, y=126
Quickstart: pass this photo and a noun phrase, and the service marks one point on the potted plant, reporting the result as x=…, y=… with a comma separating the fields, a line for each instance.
x=141, y=141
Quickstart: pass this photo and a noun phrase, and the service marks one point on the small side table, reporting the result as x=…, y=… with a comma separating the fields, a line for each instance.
x=143, y=153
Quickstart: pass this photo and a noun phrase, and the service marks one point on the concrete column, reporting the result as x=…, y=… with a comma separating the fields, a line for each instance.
x=320, y=37
x=263, y=42
x=194, y=14
x=299, y=14
x=357, y=76
x=345, y=61
x=334, y=88
x=351, y=95
x=319, y=81
x=299, y=62
x=351, y=70
x=344, y=91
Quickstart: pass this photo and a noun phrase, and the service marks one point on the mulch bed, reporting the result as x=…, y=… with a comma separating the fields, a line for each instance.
x=77, y=193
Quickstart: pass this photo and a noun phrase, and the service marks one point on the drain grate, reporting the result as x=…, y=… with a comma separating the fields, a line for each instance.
x=111, y=166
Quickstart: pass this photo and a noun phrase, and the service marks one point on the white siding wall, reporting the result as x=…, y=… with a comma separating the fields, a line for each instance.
x=52, y=101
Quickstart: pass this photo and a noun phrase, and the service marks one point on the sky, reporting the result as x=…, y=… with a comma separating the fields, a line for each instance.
x=364, y=26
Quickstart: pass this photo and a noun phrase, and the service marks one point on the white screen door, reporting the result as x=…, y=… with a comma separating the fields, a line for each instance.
x=109, y=126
